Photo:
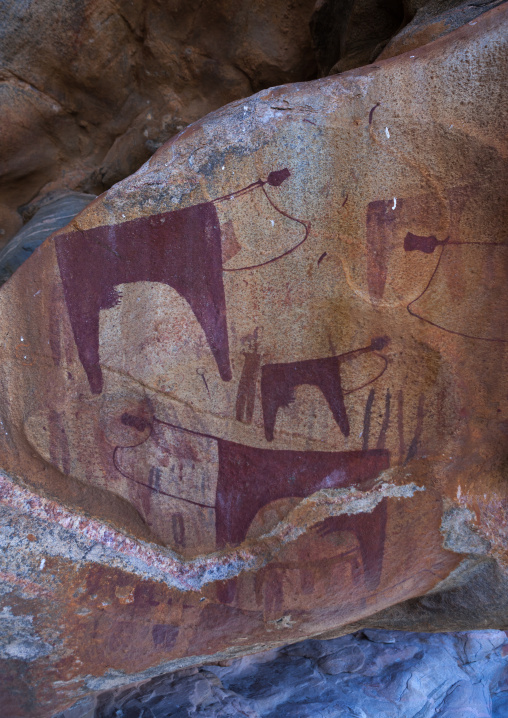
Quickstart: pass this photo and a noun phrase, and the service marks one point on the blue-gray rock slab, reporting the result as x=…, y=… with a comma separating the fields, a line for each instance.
x=52, y=216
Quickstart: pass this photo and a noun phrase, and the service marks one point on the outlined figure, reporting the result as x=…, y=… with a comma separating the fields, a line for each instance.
x=385, y=220
x=466, y=293
x=249, y=478
x=181, y=249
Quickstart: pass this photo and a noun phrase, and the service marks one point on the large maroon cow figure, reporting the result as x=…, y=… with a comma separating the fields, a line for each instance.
x=181, y=249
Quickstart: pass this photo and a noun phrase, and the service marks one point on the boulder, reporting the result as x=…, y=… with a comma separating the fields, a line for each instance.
x=111, y=82
x=429, y=19
x=350, y=33
x=255, y=392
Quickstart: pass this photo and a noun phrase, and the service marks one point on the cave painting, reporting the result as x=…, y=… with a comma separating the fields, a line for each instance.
x=464, y=293
x=478, y=306
x=219, y=480
x=249, y=478
x=181, y=249
x=278, y=382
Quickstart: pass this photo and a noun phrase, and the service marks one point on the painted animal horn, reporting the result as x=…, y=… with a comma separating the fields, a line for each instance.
x=275, y=179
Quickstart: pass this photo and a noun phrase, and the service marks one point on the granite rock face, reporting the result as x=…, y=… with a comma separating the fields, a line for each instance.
x=381, y=674
x=256, y=392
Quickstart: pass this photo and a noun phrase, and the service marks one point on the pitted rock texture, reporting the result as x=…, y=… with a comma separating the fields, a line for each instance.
x=255, y=393
x=381, y=674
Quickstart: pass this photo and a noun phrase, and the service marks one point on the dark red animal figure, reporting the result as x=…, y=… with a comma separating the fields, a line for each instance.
x=250, y=478
x=181, y=249
x=278, y=382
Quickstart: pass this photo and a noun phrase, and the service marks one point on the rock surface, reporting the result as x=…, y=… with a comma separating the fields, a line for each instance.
x=88, y=90
x=371, y=674
x=56, y=213
x=256, y=392
x=428, y=20
x=350, y=33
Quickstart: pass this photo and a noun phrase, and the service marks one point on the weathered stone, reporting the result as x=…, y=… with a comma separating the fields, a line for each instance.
x=395, y=675
x=256, y=392
x=113, y=81
x=56, y=213
x=350, y=33
x=88, y=90
x=432, y=19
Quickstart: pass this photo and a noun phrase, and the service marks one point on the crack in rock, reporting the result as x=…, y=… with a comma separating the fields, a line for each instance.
x=72, y=536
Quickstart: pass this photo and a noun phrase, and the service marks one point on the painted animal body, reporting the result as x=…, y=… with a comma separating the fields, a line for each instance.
x=182, y=249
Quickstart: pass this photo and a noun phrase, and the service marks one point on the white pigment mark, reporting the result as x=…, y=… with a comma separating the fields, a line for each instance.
x=72, y=536
x=387, y=132
x=394, y=202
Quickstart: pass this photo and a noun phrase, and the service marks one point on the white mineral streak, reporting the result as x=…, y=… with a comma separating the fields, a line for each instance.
x=72, y=536
x=459, y=529
x=18, y=638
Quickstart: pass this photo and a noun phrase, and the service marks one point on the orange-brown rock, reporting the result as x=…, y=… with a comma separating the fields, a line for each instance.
x=89, y=90
x=111, y=82
x=427, y=20
x=350, y=33
x=257, y=391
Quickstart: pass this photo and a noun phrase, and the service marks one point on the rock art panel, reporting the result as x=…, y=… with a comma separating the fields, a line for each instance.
x=246, y=393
